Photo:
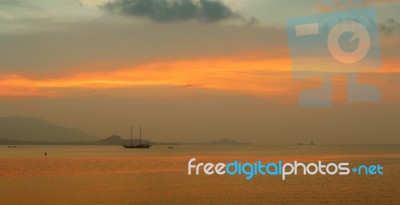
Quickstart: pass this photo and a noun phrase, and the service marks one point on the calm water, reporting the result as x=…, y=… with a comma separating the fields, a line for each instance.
x=112, y=175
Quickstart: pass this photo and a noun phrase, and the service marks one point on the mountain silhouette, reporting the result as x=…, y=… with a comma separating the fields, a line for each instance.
x=225, y=141
x=35, y=129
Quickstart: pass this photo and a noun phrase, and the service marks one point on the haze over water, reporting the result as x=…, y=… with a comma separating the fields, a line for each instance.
x=113, y=175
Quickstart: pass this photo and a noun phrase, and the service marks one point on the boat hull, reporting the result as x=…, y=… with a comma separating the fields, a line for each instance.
x=140, y=146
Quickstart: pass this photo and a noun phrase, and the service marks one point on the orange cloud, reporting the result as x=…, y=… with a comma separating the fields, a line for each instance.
x=248, y=75
x=254, y=76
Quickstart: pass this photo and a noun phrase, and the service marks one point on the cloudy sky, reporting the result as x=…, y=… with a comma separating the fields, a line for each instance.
x=185, y=70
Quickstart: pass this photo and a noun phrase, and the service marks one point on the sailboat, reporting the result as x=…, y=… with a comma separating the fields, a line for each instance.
x=137, y=146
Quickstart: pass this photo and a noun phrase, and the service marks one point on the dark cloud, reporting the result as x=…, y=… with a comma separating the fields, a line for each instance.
x=79, y=2
x=173, y=10
x=252, y=21
x=389, y=26
x=10, y=2
x=20, y=4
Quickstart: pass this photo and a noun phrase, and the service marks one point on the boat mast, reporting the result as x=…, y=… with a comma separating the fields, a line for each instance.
x=140, y=134
x=131, y=135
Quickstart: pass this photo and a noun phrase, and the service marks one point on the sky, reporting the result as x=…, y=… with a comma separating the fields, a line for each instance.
x=190, y=71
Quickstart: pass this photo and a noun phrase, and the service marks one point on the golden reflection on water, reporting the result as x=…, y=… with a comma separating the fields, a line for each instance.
x=111, y=175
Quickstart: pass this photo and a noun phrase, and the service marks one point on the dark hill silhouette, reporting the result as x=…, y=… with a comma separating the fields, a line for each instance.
x=112, y=140
x=34, y=129
x=225, y=141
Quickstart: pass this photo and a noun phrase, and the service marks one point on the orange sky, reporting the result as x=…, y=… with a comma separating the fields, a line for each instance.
x=102, y=72
x=247, y=75
x=243, y=75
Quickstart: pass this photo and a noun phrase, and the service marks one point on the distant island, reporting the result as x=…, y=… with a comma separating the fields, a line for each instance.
x=117, y=140
x=20, y=130
x=225, y=141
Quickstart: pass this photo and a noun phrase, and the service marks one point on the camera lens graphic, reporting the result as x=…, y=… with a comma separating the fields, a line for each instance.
x=359, y=32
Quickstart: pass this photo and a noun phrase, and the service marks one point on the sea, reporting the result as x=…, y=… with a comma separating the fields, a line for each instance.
x=92, y=175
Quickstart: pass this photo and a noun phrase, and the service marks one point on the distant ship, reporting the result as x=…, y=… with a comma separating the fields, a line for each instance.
x=137, y=146
x=311, y=143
